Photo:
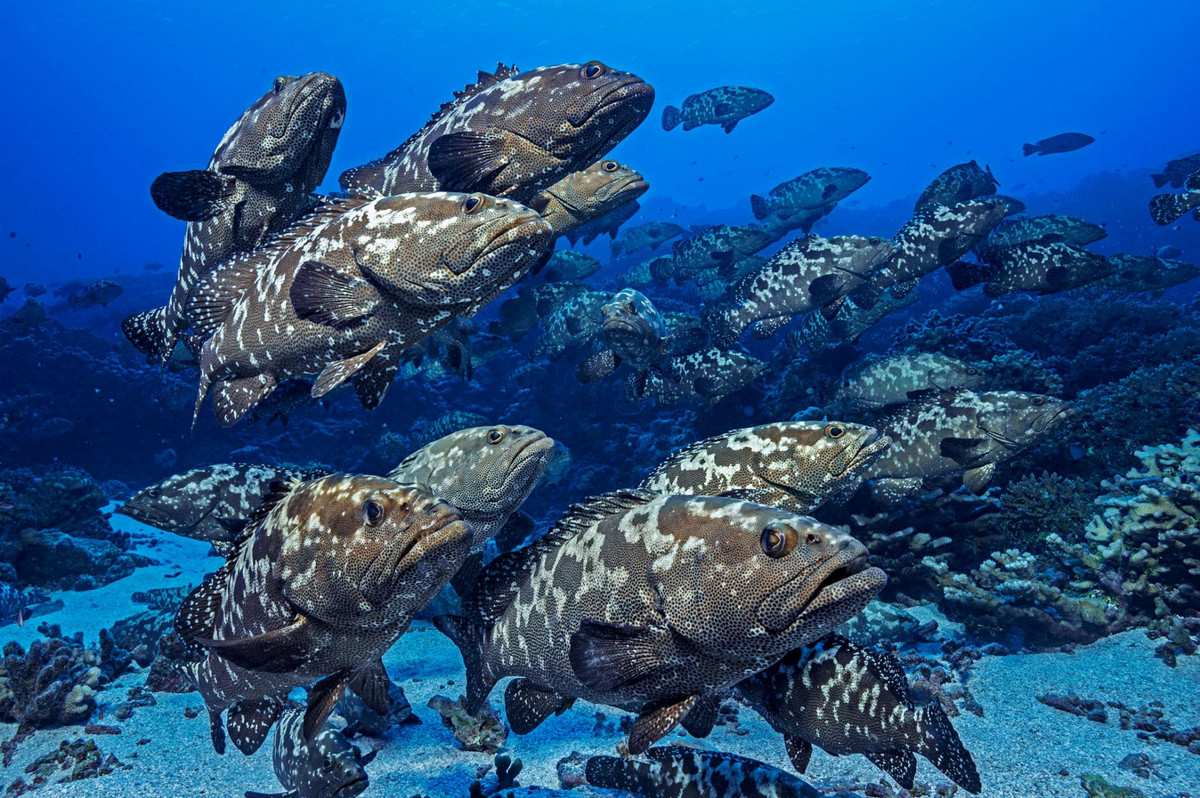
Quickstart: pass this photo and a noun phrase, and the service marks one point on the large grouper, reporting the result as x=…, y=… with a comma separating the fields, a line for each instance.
x=655, y=604
x=328, y=579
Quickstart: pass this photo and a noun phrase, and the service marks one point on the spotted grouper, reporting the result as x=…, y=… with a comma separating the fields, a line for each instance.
x=676, y=771
x=327, y=766
x=655, y=604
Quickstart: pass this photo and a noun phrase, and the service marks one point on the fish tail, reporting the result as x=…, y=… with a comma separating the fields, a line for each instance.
x=1160, y=180
x=1166, y=208
x=964, y=274
x=671, y=117
x=761, y=206
x=1029, y=149
x=469, y=638
x=941, y=745
x=149, y=333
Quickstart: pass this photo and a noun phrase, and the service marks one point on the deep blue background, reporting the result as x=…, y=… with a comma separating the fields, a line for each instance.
x=99, y=99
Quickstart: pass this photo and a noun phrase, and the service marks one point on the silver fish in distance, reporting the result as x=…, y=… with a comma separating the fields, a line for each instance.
x=792, y=465
x=656, y=604
x=258, y=182
x=512, y=134
x=679, y=772
x=327, y=766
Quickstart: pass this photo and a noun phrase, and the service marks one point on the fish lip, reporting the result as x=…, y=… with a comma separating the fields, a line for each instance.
x=427, y=540
x=351, y=788
x=150, y=516
x=513, y=224
x=849, y=562
x=630, y=89
x=523, y=460
x=872, y=445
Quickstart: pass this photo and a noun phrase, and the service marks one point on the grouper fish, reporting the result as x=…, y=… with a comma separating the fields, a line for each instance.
x=676, y=771
x=344, y=296
x=1045, y=268
x=847, y=699
x=876, y=381
x=259, y=180
x=792, y=465
x=327, y=766
x=584, y=196
x=329, y=579
x=512, y=134
x=956, y=431
x=655, y=604
x=724, y=106
x=959, y=183
x=212, y=503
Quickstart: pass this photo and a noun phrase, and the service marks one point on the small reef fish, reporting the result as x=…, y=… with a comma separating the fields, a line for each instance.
x=846, y=699
x=938, y=433
x=1063, y=142
x=650, y=234
x=511, y=133
x=258, y=182
x=724, y=106
x=877, y=381
x=213, y=503
x=327, y=766
x=1031, y=266
x=792, y=465
x=680, y=772
x=328, y=580
x=618, y=605
x=582, y=197
x=959, y=183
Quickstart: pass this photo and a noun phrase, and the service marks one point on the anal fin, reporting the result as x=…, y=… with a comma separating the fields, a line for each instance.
x=900, y=765
x=232, y=399
x=527, y=704
x=250, y=722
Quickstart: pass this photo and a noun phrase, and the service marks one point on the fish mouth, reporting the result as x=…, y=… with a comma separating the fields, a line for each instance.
x=526, y=464
x=637, y=186
x=391, y=564
x=870, y=446
x=848, y=573
x=514, y=230
x=351, y=789
x=632, y=91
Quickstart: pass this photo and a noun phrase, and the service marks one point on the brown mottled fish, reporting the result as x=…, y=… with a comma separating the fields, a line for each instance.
x=677, y=771
x=581, y=197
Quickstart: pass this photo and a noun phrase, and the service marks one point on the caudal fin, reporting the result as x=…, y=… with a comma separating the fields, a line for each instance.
x=671, y=117
x=469, y=639
x=148, y=333
x=1166, y=208
x=1029, y=149
x=760, y=206
x=941, y=745
x=1160, y=180
x=965, y=274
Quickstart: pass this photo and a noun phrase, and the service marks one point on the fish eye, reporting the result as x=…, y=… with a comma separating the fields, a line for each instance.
x=327, y=762
x=610, y=166
x=154, y=492
x=373, y=513
x=495, y=436
x=778, y=540
x=972, y=371
x=473, y=203
x=280, y=82
x=1039, y=400
x=593, y=69
x=835, y=431
x=631, y=308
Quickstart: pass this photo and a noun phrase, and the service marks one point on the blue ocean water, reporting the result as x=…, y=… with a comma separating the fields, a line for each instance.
x=1076, y=535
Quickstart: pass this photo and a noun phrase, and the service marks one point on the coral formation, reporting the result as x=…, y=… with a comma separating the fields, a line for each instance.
x=484, y=731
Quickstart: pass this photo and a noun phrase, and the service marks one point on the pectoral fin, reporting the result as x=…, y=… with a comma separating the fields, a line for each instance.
x=609, y=656
x=322, y=698
x=976, y=479
x=467, y=160
x=700, y=720
x=324, y=295
x=250, y=722
x=371, y=685
x=597, y=366
x=277, y=651
x=339, y=371
x=964, y=451
x=192, y=196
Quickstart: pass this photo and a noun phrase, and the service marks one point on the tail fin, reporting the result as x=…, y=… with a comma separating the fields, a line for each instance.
x=671, y=117
x=1029, y=149
x=965, y=274
x=148, y=333
x=469, y=638
x=1160, y=180
x=1166, y=208
x=940, y=744
x=761, y=206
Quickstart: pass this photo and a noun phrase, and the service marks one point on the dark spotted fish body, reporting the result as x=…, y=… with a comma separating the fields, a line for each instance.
x=656, y=604
x=569, y=266
x=213, y=503
x=486, y=472
x=98, y=293
x=1166, y=208
x=932, y=239
x=846, y=699
x=807, y=274
x=520, y=314
x=1134, y=273
x=512, y=134
x=680, y=772
x=1031, y=266
x=707, y=376
x=792, y=465
x=572, y=325
x=724, y=106
x=959, y=183
x=878, y=381
x=327, y=766
x=259, y=180
x=718, y=247
x=1049, y=229
x=651, y=234
x=582, y=197
x=607, y=225
x=819, y=189
x=330, y=577
x=631, y=331
x=1177, y=171
x=6, y=288
x=1063, y=142
x=344, y=298
x=938, y=433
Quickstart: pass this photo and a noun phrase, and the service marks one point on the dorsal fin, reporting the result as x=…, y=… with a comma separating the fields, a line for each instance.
x=483, y=82
x=277, y=491
x=498, y=584
x=684, y=454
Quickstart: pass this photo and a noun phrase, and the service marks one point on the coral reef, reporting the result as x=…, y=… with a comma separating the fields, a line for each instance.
x=484, y=731
x=1147, y=721
x=361, y=719
x=79, y=759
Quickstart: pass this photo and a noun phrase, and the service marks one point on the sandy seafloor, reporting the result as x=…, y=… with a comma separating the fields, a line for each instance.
x=1022, y=747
